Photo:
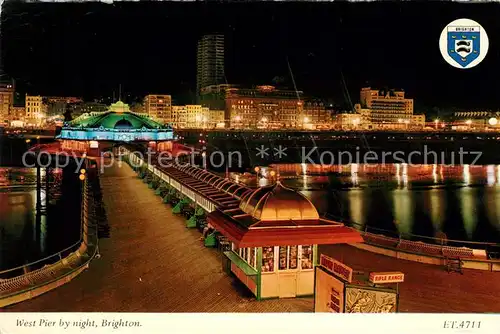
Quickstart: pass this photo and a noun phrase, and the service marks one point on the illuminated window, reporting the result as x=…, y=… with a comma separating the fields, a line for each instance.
x=288, y=257
x=268, y=259
x=307, y=257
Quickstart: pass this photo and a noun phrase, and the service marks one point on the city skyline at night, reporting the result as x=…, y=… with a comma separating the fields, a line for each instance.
x=326, y=50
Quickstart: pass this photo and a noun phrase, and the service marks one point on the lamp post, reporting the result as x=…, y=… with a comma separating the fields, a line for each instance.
x=82, y=178
x=436, y=122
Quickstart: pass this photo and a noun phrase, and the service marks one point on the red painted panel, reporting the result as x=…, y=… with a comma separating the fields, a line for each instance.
x=244, y=278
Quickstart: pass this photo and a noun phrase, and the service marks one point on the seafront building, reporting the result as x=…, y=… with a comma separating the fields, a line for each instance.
x=159, y=106
x=36, y=110
x=476, y=120
x=96, y=132
x=265, y=107
x=210, y=61
x=386, y=106
x=57, y=105
x=383, y=109
x=6, y=101
x=196, y=116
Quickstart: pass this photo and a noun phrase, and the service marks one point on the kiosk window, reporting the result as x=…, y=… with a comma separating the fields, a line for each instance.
x=288, y=257
x=293, y=257
x=283, y=258
x=307, y=257
x=268, y=259
x=252, y=257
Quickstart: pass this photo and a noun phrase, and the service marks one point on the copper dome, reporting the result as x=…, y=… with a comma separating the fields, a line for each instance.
x=278, y=203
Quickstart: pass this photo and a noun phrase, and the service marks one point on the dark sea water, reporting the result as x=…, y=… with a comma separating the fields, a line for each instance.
x=463, y=202
x=26, y=236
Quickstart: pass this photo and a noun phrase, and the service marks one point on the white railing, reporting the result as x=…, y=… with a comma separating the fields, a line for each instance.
x=189, y=192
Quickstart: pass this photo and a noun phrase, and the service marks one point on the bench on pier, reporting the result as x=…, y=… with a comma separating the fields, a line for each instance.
x=211, y=239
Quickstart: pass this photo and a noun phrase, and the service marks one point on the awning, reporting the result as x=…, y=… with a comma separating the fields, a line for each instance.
x=319, y=234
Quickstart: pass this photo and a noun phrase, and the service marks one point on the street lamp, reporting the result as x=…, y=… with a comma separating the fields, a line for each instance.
x=436, y=122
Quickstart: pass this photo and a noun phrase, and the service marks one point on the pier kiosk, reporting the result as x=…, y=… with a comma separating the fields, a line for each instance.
x=274, y=235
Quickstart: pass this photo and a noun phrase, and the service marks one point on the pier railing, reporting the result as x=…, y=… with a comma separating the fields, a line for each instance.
x=424, y=244
x=29, y=267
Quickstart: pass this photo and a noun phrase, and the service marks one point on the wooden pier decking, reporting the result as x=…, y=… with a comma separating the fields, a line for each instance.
x=152, y=263
x=428, y=288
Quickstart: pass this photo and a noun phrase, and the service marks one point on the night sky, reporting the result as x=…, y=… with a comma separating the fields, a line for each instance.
x=88, y=49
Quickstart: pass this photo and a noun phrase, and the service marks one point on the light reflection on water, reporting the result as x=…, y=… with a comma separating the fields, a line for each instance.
x=461, y=201
x=403, y=209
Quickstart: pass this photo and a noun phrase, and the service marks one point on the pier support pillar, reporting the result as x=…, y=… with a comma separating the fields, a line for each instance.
x=38, y=188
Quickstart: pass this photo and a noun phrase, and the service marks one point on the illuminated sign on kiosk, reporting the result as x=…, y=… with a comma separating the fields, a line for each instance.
x=336, y=267
x=387, y=277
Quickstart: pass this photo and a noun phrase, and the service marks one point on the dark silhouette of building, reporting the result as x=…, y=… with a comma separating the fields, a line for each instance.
x=210, y=61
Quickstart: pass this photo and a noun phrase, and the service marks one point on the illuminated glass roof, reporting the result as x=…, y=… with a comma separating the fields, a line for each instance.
x=116, y=124
x=118, y=116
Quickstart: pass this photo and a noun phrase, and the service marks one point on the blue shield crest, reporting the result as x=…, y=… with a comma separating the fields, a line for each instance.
x=464, y=44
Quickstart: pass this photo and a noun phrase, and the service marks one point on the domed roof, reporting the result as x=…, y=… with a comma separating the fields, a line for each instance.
x=123, y=124
x=118, y=116
x=278, y=203
x=119, y=106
